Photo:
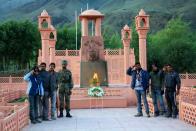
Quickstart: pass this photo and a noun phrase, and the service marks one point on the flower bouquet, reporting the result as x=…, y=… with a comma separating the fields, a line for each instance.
x=96, y=91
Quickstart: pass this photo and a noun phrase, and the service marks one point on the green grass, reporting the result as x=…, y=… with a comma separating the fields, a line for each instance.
x=19, y=100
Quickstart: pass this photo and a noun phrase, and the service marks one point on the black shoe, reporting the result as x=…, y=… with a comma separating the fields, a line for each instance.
x=162, y=113
x=138, y=115
x=46, y=119
x=61, y=115
x=156, y=114
x=38, y=121
x=33, y=122
x=168, y=115
x=148, y=115
x=68, y=115
x=174, y=116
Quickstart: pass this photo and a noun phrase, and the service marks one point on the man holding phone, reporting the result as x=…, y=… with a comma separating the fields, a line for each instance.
x=34, y=91
x=140, y=83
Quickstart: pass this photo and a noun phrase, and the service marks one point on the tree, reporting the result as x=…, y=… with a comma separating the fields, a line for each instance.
x=114, y=42
x=66, y=37
x=19, y=43
x=175, y=45
x=135, y=41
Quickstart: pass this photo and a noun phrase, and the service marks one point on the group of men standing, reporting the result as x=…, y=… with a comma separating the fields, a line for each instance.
x=43, y=85
x=157, y=82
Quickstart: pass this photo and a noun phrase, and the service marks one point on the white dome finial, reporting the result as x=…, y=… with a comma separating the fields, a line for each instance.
x=126, y=27
x=44, y=13
x=142, y=12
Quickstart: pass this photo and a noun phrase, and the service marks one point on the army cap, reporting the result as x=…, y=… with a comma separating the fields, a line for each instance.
x=64, y=62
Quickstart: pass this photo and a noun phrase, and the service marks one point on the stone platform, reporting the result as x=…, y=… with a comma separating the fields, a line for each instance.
x=110, y=119
x=115, y=97
x=91, y=102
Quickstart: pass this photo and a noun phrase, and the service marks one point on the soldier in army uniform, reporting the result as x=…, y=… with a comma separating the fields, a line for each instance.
x=65, y=87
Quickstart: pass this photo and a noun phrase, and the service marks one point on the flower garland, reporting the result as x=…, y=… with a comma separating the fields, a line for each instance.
x=96, y=91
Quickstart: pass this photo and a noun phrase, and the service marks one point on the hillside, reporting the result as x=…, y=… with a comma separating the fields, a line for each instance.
x=118, y=12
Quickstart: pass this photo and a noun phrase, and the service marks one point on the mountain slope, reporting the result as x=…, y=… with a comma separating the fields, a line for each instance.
x=117, y=12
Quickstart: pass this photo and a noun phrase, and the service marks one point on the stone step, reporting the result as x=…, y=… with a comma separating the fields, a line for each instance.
x=102, y=102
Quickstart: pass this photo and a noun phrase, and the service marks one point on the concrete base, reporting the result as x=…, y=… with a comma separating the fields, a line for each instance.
x=103, y=102
x=114, y=97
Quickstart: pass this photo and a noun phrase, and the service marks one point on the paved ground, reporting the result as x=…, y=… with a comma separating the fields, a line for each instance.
x=110, y=119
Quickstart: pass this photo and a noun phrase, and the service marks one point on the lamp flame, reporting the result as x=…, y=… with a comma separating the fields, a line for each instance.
x=95, y=76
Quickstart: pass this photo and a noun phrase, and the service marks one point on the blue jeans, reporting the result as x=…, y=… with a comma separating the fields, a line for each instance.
x=156, y=96
x=139, y=94
x=53, y=103
x=33, y=107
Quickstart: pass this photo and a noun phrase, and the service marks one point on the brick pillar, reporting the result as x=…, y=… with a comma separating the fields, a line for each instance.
x=142, y=27
x=126, y=39
x=84, y=27
x=48, y=37
x=142, y=52
x=45, y=50
x=98, y=27
x=52, y=50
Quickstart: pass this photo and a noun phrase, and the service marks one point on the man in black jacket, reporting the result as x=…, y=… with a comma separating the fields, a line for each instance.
x=53, y=89
x=44, y=75
x=172, y=88
x=157, y=77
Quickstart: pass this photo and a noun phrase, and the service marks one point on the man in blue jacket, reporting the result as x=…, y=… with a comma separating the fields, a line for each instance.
x=34, y=91
x=140, y=83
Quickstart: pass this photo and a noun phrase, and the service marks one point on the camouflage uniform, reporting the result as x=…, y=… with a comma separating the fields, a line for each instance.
x=65, y=87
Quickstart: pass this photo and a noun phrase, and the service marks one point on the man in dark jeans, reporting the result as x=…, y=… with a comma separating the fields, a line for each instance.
x=172, y=88
x=157, y=89
x=53, y=89
x=140, y=83
x=34, y=90
x=44, y=75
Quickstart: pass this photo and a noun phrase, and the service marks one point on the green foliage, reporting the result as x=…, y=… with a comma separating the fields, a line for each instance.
x=112, y=40
x=135, y=41
x=19, y=100
x=117, y=12
x=19, y=43
x=175, y=45
x=67, y=37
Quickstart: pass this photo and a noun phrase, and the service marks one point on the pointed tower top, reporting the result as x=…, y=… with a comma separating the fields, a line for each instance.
x=126, y=27
x=142, y=12
x=44, y=13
